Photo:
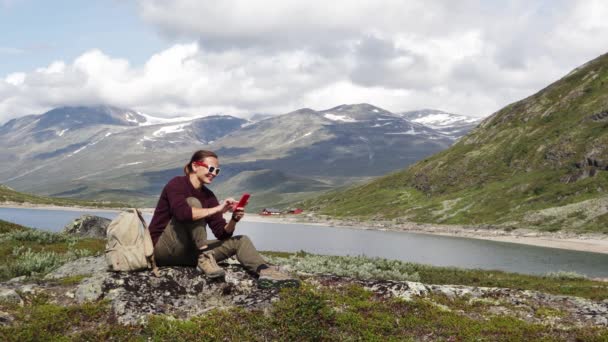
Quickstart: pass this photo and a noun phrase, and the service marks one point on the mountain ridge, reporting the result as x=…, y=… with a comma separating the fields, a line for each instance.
x=116, y=158
x=539, y=162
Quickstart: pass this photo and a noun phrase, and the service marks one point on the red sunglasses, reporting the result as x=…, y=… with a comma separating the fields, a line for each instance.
x=211, y=169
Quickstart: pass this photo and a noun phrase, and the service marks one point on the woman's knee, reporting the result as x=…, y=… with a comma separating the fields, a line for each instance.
x=242, y=239
x=193, y=202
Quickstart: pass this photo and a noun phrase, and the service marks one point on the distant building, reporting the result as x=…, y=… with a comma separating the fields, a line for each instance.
x=295, y=211
x=270, y=211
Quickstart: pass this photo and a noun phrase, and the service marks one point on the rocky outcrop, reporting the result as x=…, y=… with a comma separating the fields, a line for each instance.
x=586, y=168
x=599, y=117
x=8, y=295
x=183, y=292
x=80, y=267
x=523, y=304
x=89, y=226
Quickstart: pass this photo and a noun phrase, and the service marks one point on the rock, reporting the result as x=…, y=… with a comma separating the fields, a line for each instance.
x=82, y=266
x=28, y=288
x=181, y=292
x=5, y=318
x=17, y=279
x=91, y=289
x=88, y=226
x=10, y=296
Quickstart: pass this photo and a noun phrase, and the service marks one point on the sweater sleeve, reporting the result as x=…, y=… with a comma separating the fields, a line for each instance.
x=176, y=196
x=217, y=222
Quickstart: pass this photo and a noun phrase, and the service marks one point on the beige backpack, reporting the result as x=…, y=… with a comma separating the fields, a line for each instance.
x=129, y=246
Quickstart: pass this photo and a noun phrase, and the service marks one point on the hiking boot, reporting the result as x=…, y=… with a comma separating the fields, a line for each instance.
x=274, y=277
x=207, y=265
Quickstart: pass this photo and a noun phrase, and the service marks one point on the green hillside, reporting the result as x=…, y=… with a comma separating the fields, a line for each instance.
x=8, y=195
x=541, y=163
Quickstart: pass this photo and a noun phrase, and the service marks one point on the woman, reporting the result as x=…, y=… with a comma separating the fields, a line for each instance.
x=178, y=227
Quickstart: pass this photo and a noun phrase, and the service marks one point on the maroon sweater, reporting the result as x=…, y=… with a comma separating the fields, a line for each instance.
x=172, y=205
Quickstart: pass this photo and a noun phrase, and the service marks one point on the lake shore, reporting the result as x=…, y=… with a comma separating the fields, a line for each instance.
x=15, y=205
x=596, y=243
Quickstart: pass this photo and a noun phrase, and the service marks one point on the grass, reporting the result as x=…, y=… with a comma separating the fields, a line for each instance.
x=305, y=314
x=9, y=195
x=495, y=203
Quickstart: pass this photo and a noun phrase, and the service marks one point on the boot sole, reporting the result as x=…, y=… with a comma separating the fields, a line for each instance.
x=269, y=284
x=212, y=276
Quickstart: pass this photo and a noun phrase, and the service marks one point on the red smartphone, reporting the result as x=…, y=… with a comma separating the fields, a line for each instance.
x=243, y=202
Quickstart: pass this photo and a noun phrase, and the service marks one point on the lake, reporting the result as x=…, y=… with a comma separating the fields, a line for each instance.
x=420, y=248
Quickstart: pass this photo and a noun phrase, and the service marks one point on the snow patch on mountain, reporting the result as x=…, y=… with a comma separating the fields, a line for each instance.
x=439, y=120
x=144, y=139
x=343, y=118
x=411, y=131
x=130, y=118
x=153, y=120
x=169, y=129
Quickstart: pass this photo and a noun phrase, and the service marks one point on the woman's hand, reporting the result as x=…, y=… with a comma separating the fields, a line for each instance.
x=238, y=214
x=227, y=205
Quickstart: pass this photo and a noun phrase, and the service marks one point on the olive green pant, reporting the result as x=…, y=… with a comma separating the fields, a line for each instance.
x=181, y=243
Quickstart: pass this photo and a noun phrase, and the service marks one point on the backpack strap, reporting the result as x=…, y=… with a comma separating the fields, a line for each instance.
x=151, y=261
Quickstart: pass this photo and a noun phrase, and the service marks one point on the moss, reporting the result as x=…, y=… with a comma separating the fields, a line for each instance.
x=73, y=280
x=548, y=312
x=40, y=320
x=310, y=313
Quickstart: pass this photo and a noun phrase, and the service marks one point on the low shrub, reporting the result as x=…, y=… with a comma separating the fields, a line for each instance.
x=361, y=267
x=27, y=262
x=566, y=275
x=38, y=236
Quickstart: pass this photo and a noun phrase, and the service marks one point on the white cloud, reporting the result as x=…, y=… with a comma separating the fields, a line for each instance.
x=467, y=56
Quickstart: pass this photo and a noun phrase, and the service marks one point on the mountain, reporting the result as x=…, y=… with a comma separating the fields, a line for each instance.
x=75, y=157
x=540, y=162
x=349, y=140
x=125, y=155
x=320, y=149
x=453, y=125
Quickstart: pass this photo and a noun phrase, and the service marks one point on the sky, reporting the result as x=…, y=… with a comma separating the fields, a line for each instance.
x=240, y=57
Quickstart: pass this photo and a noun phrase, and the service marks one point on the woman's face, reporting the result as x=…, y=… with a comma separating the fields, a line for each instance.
x=203, y=173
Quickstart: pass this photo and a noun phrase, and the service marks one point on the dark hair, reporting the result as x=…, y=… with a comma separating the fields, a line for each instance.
x=198, y=156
